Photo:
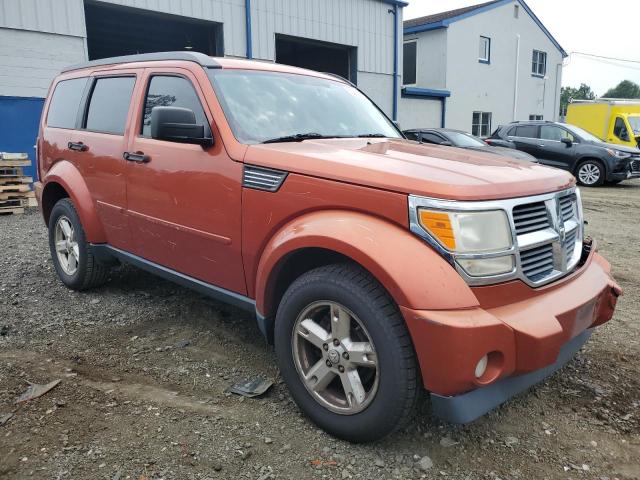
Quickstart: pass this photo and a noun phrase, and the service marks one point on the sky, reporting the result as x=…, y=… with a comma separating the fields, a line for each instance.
x=596, y=27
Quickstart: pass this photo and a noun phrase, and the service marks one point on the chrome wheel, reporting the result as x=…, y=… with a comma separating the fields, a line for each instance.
x=589, y=174
x=335, y=357
x=67, y=249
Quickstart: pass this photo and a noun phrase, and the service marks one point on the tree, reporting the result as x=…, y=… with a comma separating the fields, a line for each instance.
x=567, y=94
x=625, y=89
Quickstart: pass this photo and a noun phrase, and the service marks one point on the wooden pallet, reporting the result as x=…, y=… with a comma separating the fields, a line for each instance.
x=15, y=187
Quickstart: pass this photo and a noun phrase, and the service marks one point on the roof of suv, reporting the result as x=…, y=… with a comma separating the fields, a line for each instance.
x=201, y=59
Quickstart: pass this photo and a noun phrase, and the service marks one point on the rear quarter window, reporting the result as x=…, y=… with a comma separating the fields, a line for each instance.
x=65, y=102
x=109, y=105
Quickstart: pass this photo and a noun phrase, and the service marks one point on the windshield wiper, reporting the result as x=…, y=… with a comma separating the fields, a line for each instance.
x=372, y=135
x=298, y=137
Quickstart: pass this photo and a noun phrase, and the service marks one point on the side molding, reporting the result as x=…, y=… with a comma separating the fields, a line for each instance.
x=105, y=251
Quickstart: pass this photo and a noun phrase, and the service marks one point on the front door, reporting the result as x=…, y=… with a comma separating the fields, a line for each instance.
x=184, y=199
x=553, y=151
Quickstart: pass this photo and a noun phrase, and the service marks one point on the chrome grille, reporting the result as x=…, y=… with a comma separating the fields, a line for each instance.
x=548, y=248
x=260, y=178
x=537, y=262
x=530, y=217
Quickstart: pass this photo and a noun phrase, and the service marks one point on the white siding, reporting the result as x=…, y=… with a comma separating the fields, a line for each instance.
x=364, y=24
x=30, y=60
x=491, y=88
x=431, y=58
x=64, y=17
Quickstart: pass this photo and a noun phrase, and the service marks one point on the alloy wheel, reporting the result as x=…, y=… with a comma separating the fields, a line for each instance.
x=335, y=357
x=67, y=249
x=589, y=174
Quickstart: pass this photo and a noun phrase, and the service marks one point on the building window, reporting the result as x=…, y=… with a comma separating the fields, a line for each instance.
x=536, y=117
x=409, y=53
x=484, y=55
x=539, y=63
x=516, y=11
x=481, y=124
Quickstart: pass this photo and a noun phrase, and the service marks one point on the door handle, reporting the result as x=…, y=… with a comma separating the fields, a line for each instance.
x=77, y=146
x=138, y=157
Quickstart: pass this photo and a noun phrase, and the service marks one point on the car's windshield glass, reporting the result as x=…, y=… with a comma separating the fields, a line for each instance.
x=634, y=122
x=460, y=139
x=263, y=106
x=582, y=133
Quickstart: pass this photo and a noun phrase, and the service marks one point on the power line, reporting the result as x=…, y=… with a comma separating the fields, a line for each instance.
x=605, y=58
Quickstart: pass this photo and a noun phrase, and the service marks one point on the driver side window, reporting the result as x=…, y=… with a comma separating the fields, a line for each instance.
x=172, y=91
x=556, y=134
x=620, y=129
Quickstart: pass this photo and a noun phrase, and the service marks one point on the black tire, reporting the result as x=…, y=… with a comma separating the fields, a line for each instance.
x=595, y=166
x=89, y=273
x=399, y=384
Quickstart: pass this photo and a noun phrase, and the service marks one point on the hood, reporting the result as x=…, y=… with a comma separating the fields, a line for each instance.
x=505, y=152
x=412, y=168
x=615, y=146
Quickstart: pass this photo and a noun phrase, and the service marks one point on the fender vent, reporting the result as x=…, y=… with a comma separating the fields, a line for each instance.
x=260, y=178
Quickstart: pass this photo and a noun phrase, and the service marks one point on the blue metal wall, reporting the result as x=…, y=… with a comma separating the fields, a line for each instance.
x=19, y=119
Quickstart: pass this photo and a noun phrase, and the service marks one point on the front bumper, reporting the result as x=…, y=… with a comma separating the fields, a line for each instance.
x=525, y=340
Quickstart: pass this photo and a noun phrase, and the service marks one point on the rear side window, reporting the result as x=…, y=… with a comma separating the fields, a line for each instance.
x=109, y=104
x=526, y=131
x=167, y=91
x=65, y=102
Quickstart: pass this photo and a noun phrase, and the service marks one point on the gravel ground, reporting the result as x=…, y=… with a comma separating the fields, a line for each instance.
x=144, y=365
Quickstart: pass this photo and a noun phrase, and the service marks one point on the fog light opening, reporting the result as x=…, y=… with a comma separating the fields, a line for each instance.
x=481, y=367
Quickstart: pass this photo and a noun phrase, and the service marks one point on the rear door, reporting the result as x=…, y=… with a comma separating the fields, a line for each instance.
x=184, y=199
x=96, y=148
x=525, y=138
x=553, y=151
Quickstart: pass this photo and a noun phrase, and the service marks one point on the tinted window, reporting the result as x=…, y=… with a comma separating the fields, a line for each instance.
x=526, y=131
x=167, y=91
x=411, y=135
x=109, y=104
x=550, y=132
x=409, y=65
x=432, y=138
x=620, y=129
x=65, y=102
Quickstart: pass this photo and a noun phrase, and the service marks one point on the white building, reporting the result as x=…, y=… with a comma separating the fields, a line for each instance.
x=479, y=67
x=358, y=39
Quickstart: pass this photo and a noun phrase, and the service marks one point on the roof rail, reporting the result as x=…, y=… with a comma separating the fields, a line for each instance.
x=340, y=77
x=196, y=57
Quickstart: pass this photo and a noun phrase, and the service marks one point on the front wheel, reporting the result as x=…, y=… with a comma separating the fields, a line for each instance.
x=344, y=351
x=591, y=173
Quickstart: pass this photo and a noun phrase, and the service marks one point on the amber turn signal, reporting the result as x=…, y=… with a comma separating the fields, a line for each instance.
x=439, y=225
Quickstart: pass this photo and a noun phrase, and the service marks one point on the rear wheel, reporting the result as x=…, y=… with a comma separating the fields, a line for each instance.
x=345, y=353
x=72, y=255
x=590, y=173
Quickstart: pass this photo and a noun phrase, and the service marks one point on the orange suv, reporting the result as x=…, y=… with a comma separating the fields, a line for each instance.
x=377, y=266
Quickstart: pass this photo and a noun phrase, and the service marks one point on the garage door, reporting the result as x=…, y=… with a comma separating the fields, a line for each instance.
x=114, y=30
x=320, y=56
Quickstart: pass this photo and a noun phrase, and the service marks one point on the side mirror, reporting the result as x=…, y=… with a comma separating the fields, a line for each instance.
x=567, y=141
x=176, y=124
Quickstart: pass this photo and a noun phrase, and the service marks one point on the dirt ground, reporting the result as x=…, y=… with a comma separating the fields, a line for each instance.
x=144, y=365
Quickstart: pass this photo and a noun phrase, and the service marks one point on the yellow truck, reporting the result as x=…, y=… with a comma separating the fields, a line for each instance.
x=611, y=120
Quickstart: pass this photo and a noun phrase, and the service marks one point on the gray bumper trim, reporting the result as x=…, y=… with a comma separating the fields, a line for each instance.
x=467, y=407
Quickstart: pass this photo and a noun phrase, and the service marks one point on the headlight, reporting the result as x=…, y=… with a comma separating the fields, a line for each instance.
x=618, y=153
x=466, y=234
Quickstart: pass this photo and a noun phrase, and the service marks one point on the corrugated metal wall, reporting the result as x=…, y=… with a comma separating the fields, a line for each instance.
x=64, y=17
x=363, y=23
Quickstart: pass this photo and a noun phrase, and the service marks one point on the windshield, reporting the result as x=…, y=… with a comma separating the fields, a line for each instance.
x=460, y=139
x=263, y=106
x=634, y=123
x=582, y=133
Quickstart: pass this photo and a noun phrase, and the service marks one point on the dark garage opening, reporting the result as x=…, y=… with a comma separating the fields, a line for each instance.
x=113, y=30
x=320, y=56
